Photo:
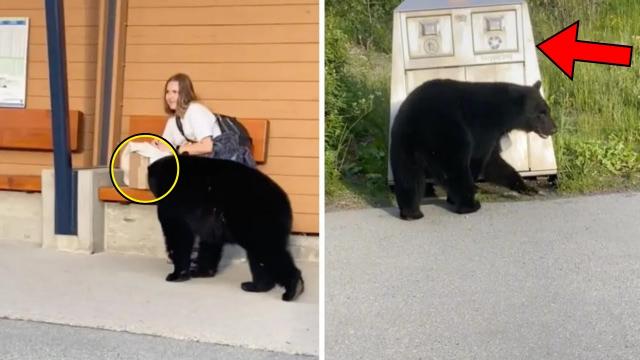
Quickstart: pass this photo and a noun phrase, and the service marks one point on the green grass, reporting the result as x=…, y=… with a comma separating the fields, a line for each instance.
x=598, y=113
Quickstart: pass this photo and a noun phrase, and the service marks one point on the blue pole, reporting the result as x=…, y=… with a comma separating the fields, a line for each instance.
x=65, y=194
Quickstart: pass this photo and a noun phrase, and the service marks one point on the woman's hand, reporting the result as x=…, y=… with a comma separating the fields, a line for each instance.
x=202, y=147
x=184, y=148
x=158, y=145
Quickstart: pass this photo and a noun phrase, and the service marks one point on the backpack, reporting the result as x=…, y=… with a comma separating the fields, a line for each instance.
x=234, y=142
x=230, y=123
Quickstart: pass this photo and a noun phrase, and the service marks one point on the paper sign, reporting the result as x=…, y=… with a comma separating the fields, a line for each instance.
x=14, y=39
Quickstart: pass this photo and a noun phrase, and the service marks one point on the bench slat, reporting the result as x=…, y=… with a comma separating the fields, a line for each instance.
x=111, y=194
x=258, y=130
x=28, y=183
x=30, y=129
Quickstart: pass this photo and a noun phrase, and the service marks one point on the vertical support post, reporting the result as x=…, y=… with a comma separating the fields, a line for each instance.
x=108, y=77
x=65, y=187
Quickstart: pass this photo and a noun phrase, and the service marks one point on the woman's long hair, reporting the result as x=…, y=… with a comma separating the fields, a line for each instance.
x=186, y=94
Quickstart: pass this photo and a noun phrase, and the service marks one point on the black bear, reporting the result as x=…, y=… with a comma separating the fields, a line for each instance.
x=224, y=201
x=451, y=130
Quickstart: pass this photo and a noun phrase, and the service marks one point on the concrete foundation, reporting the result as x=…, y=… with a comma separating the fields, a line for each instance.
x=90, y=227
x=112, y=227
x=20, y=216
x=134, y=229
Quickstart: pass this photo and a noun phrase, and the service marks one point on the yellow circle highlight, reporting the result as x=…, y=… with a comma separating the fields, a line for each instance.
x=115, y=155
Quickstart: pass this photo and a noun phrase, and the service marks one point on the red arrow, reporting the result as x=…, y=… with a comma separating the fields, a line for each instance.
x=564, y=49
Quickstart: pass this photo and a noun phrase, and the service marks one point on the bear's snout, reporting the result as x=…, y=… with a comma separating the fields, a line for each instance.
x=546, y=129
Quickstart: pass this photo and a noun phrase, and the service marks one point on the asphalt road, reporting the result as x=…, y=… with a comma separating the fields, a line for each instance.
x=21, y=340
x=555, y=279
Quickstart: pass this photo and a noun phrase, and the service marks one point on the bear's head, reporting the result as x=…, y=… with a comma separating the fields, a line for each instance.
x=536, y=116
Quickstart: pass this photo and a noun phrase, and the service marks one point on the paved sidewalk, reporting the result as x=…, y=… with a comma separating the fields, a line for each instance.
x=556, y=279
x=21, y=340
x=128, y=293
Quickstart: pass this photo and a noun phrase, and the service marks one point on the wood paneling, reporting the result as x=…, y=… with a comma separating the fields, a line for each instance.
x=22, y=169
x=224, y=15
x=76, y=88
x=75, y=35
x=304, y=204
x=223, y=34
x=293, y=147
x=78, y=160
x=75, y=71
x=228, y=90
x=39, y=158
x=306, y=129
x=298, y=185
x=284, y=165
x=247, y=58
x=84, y=104
x=239, y=108
x=306, y=223
x=74, y=53
x=201, y=3
x=251, y=53
x=225, y=71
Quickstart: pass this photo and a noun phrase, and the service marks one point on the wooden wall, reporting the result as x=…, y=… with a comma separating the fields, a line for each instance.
x=81, y=27
x=247, y=58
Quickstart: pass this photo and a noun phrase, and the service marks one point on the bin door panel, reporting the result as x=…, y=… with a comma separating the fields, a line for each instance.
x=515, y=145
x=541, y=155
x=416, y=77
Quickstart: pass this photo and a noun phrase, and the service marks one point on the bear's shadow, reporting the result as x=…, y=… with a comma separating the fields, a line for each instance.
x=427, y=200
x=231, y=253
x=489, y=192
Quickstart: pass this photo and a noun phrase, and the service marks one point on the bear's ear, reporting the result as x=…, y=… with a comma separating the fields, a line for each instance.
x=537, y=85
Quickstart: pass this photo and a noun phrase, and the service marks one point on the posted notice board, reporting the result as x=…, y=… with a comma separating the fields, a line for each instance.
x=14, y=40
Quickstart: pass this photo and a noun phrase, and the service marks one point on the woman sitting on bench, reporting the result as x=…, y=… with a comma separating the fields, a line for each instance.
x=191, y=126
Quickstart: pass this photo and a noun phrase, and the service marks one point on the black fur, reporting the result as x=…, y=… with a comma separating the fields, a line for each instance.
x=451, y=130
x=224, y=201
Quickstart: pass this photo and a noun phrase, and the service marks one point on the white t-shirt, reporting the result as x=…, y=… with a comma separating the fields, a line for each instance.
x=198, y=123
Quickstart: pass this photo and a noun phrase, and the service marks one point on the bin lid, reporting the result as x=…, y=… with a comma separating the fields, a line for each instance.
x=421, y=5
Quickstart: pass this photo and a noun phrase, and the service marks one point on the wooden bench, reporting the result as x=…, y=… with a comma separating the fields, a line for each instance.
x=257, y=128
x=30, y=130
x=26, y=183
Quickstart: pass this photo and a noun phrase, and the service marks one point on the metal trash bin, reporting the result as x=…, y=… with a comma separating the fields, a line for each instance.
x=470, y=40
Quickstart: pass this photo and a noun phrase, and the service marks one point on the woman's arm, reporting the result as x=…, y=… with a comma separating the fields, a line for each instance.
x=202, y=147
x=168, y=134
x=203, y=124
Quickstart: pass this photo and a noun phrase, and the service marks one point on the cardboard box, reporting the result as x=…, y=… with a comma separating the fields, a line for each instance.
x=138, y=165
